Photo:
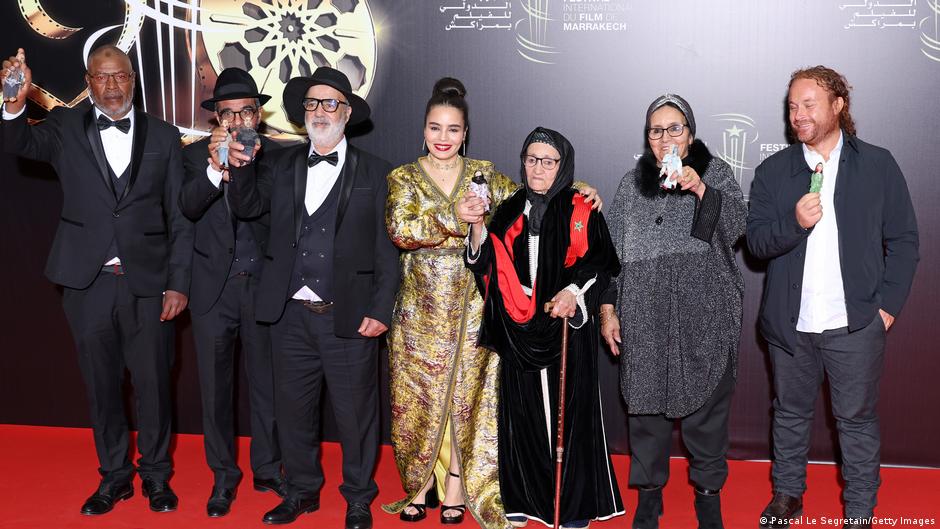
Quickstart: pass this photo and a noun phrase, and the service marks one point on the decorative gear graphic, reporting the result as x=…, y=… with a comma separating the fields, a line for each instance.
x=275, y=40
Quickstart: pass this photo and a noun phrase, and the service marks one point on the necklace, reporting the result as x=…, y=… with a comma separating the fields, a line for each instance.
x=443, y=166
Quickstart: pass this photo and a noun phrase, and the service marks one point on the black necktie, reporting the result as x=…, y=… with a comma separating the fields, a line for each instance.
x=315, y=158
x=123, y=125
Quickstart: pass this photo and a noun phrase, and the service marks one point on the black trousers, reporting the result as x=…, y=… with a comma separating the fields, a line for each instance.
x=853, y=362
x=114, y=330
x=215, y=332
x=704, y=433
x=307, y=357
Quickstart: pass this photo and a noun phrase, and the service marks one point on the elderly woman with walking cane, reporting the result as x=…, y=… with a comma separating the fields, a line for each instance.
x=544, y=245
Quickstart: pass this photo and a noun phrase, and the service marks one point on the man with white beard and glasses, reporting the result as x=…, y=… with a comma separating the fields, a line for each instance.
x=328, y=284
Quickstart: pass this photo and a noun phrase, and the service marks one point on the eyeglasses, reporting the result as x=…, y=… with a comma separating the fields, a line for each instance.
x=547, y=163
x=246, y=113
x=329, y=105
x=654, y=133
x=119, y=77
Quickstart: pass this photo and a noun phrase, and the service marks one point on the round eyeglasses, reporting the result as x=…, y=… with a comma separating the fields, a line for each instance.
x=246, y=113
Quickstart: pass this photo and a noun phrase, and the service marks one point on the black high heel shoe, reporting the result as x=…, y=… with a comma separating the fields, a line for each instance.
x=431, y=501
x=462, y=508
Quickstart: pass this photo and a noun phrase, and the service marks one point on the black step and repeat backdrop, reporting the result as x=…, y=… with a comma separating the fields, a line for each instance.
x=588, y=68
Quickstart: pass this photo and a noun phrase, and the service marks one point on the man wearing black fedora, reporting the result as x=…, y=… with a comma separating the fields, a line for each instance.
x=226, y=270
x=327, y=287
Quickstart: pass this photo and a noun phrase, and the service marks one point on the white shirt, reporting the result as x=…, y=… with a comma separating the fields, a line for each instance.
x=117, y=145
x=320, y=181
x=822, y=303
x=118, y=148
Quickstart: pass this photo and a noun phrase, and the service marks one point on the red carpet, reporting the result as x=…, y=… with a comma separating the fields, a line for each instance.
x=48, y=473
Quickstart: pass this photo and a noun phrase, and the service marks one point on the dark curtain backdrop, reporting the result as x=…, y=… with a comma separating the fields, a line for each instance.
x=590, y=72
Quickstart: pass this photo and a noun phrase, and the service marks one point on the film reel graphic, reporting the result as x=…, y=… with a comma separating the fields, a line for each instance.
x=179, y=46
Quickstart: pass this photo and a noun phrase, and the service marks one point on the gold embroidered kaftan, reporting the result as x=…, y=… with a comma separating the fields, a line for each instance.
x=437, y=372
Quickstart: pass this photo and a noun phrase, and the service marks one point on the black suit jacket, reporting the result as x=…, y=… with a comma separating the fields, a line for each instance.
x=154, y=239
x=214, y=237
x=878, y=241
x=365, y=262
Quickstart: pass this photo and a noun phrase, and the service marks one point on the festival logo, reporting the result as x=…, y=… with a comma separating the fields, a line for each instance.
x=882, y=14
x=738, y=134
x=179, y=47
x=930, y=31
x=537, y=23
x=532, y=32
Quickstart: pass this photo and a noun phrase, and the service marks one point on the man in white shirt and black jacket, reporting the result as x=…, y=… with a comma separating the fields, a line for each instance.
x=328, y=287
x=842, y=260
x=122, y=253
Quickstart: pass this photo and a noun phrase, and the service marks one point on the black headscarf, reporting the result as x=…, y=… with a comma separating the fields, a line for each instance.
x=563, y=179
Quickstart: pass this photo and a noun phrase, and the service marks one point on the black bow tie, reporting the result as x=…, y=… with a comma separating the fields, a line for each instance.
x=315, y=158
x=123, y=125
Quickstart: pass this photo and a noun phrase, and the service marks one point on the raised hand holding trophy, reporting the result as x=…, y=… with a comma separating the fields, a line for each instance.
x=14, y=77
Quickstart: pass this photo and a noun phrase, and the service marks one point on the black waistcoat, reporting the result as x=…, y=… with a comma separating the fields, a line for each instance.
x=118, y=185
x=313, y=265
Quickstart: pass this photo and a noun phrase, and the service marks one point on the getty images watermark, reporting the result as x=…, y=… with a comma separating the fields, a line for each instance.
x=829, y=521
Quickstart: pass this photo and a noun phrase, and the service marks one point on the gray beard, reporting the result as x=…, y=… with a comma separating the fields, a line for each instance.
x=330, y=136
x=122, y=111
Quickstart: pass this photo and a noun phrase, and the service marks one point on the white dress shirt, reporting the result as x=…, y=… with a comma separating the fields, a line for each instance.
x=117, y=149
x=822, y=303
x=117, y=145
x=320, y=181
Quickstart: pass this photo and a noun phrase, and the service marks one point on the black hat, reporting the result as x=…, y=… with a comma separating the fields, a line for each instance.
x=234, y=83
x=296, y=91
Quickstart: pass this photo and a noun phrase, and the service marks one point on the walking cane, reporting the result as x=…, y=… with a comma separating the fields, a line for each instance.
x=560, y=439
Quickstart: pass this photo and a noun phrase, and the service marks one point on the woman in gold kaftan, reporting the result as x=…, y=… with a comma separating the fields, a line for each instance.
x=443, y=386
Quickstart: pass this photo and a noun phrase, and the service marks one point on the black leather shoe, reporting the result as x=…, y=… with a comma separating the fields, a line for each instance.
x=708, y=508
x=358, y=516
x=649, y=508
x=276, y=485
x=289, y=510
x=781, y=510
x=220, y=502
x=162, y=497
x=103, y=500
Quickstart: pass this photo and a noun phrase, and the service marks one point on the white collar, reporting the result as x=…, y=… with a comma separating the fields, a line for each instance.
x=810, y=154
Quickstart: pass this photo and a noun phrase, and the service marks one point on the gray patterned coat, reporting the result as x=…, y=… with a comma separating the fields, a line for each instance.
x=679, y=294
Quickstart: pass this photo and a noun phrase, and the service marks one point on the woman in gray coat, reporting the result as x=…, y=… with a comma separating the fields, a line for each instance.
x=678, y=308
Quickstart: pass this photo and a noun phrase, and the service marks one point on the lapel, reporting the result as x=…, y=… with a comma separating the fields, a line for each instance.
x=97, y=149
x=226, y=210
x=300, y=187
x=798, y=165
x=140, y=138
x=347, y=178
